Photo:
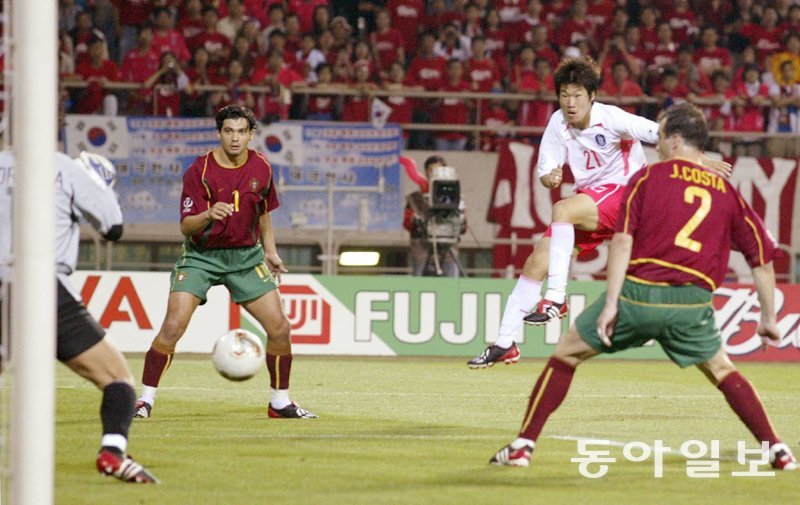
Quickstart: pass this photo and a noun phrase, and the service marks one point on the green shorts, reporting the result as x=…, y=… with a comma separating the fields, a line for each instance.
x=241, y=270
x=680, y=318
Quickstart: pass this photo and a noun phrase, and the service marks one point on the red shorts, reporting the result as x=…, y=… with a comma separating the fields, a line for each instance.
x=608, y=199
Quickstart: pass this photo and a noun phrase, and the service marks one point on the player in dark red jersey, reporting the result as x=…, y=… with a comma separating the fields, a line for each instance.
x=662, y=269
x=228, y=194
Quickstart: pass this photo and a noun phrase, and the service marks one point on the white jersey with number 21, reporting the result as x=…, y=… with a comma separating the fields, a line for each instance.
x=608, y=151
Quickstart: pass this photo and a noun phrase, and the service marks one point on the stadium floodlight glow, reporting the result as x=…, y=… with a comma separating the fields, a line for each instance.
x=359, y=258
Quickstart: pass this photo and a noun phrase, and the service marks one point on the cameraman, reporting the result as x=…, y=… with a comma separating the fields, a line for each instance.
x=421, y=248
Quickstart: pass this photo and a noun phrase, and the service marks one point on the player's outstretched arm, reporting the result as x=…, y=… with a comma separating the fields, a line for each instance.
x=553, y=179
x=764, y=279
x=618, y=258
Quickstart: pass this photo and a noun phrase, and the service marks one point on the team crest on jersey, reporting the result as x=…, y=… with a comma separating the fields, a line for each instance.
x=181, y=276
x=600, y=139
x=253, y=184
x=188, y=203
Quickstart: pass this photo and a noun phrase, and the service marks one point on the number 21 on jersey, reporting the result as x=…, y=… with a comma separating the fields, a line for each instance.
x=592, y=159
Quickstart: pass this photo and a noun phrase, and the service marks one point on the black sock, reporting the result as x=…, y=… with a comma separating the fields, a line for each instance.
x=117, y=408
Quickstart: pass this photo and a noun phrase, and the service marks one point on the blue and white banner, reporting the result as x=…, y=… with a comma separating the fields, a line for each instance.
x=151, y=155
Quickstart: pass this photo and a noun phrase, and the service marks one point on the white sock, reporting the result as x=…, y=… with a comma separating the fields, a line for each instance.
x=521, y=301
x=148, y=394
x=115, y=440
x=520, y=442
x=279, y=398
x=562, y=242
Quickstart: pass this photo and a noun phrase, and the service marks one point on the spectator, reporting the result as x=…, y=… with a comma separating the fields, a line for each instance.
x=749, y=111
x=407, y=17
x=473, y=24
x=519, y=32
x=510, y=10
x=138, y=65
x=200, y=73
x=451, y=44
x=233, y=94
x=97, y=71
x=542, y=47
x=720, y=113
x=293, y=33
x=260, y=10
x=691, y=75
x=715, y=12
x=172, y=81
x=482, y=73
x=243, y=51
x=784, y=116
x=790, y=53
x=356, y=108
x=670, y=90
x=274, y=104
x=555, y=12
x=215, y=43
x=496, y=117
x=322, y=107
x=427, y=68
x=523, y=68
x=615, y=50
x=321, y=19
x=619, y=23
x=80, y=35
x=648, y=29
x=683, y=22
x=249, y=30
x=600, y=12
x=791, y=23
x=131, y=15
x=343, y=71
x=452, y=110
x=710, y=56
x=305, y=10
x=766, y=37
x=307, y=58
x=341, y=31
x=325, y=43
x=387, y=43
x=402, y=107
x=230, y=24
x=167, y=38
x=277, y=21
x=496, y=40
x=435, y=17
x=620, y=85
x=537, y=112
x=362, y=54
x=748, y=57
x=190, y=23
x=666, y=51
x=576, y=27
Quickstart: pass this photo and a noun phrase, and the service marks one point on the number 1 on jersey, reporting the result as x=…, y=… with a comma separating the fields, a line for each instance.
x=592, y=159
x=682, y=238
x=236, y=200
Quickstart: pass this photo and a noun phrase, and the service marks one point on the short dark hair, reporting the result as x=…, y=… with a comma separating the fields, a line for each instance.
x=434, y=159
x=687, y=121
x=577, y=71
x=235, y=112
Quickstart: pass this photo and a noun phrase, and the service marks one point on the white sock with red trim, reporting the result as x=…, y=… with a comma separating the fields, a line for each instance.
x=562, y=242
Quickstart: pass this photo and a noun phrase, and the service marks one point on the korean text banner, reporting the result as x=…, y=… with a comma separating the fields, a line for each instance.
x=151, y=155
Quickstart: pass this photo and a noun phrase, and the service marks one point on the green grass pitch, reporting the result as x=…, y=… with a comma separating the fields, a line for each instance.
x=420, y=431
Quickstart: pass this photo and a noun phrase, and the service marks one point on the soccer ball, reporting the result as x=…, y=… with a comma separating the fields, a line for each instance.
x=238, y=355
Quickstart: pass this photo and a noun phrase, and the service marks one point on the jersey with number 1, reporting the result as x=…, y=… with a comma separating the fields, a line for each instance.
x=684, y=221
x=608, y=151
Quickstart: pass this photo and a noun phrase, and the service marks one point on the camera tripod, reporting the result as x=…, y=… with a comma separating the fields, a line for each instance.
x=438, y=252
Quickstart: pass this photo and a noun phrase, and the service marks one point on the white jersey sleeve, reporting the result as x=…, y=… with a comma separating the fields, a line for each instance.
x=94, y=199
x=552, y=149
x=630, y=125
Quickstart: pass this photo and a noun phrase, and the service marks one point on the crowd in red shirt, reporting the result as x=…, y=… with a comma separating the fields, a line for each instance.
x=740, y=59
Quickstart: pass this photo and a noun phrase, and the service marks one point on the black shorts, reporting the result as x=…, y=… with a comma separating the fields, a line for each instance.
x=77, y=331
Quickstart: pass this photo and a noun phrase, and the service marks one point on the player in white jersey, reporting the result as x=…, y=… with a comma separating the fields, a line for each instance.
x=83, y=188
x=602, y=144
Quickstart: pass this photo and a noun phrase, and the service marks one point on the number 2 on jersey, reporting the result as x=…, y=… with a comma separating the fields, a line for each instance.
x=689, y=195
x=592, y=159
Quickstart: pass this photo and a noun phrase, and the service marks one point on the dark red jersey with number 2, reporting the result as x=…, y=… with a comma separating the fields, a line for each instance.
x=684, y=221
x=248, y=187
